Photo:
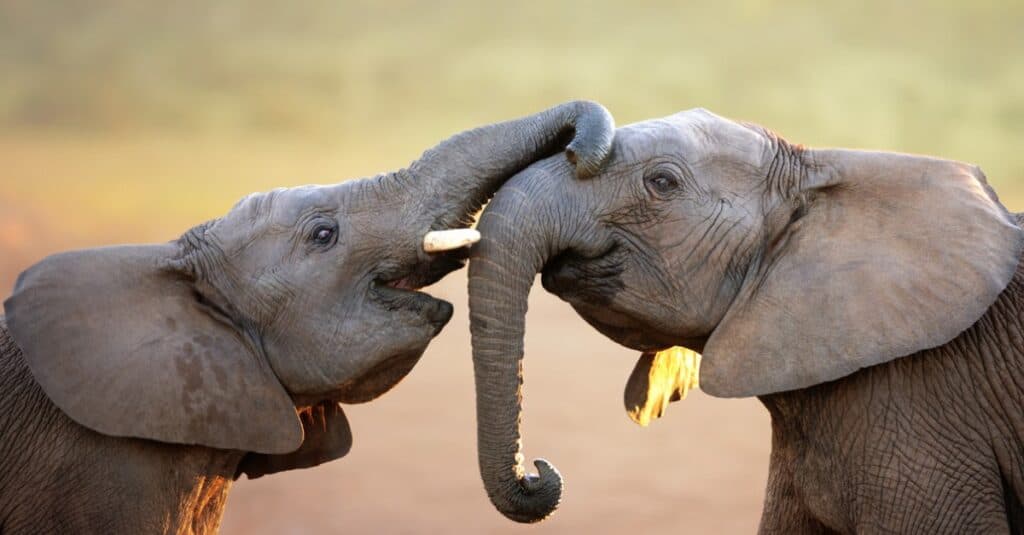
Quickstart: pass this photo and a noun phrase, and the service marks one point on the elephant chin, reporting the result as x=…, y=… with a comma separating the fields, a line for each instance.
x=379, y=379
x=632, y=333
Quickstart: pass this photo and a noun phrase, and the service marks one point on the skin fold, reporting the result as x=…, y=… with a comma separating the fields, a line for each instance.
x=138, y=382
x=871, y=300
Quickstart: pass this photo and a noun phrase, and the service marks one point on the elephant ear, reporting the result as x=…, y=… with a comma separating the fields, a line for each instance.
x=327, y=437
x=888, y=254
x=121, y=341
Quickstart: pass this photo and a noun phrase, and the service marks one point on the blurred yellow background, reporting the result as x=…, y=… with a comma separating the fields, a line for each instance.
x=130, y=121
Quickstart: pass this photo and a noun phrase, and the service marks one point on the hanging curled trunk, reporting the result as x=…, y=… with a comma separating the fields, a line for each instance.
x=519, y=237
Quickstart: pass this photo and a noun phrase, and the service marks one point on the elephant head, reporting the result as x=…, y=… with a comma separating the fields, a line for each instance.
x=296, y=299
x=784, y=266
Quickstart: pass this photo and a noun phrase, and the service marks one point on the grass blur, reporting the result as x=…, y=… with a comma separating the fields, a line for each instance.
x=127, y=120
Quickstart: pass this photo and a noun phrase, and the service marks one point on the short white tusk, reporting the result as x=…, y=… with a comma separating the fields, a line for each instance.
x=437, y=241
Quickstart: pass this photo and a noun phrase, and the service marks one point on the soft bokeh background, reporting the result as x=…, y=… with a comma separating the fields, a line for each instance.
x=130, y=121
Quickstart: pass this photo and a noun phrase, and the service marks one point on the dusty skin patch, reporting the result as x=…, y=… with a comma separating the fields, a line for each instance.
x=670, y=374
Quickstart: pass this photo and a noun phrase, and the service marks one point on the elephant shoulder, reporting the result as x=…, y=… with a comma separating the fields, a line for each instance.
x=29, y=418
x=16, y=382
x=21, y=398
x=7, y=345
x=23, y=408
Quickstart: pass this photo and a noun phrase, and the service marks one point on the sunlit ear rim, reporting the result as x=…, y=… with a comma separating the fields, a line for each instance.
x=438, y=241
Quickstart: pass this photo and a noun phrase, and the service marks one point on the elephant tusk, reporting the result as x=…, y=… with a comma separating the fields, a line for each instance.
x=437, y=241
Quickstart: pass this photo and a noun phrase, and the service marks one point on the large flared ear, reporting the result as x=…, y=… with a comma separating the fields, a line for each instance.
x=887, y=255
x=121, y=341
x=327, y=437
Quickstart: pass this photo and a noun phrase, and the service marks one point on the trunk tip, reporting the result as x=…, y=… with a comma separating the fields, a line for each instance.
x=595, y=133
x=535, y=497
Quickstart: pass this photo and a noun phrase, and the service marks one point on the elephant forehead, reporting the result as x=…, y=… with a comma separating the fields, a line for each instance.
x=285, y=206
x=282, y=208
x=694, y=135
x=293, y=204
x=645, y=140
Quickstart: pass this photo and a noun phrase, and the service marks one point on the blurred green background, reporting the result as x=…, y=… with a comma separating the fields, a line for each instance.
x=220, y=89
x=127, y=120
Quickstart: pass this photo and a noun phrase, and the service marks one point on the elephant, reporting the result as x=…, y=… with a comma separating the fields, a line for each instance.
x=137, y=382
x=872, y=301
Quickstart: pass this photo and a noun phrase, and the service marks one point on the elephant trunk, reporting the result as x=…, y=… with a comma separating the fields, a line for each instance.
x=520, y=235
x=455, y=178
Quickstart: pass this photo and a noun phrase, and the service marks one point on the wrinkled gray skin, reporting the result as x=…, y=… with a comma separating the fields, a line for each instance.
x=137, y=382
x=792, y=270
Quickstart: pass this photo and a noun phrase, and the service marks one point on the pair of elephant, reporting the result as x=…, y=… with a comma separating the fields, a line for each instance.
x=138, y=382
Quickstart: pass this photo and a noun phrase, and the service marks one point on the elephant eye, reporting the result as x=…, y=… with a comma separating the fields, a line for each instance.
x=323, y=235
x=661, y=183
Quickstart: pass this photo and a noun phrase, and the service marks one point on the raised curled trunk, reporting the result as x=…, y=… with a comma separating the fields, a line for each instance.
x=452, y=180
x=519, y=237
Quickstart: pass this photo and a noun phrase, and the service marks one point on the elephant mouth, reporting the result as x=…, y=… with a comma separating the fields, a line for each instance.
x=400, y=290
x=425, y=273
x=594, y=278
x=590, y=285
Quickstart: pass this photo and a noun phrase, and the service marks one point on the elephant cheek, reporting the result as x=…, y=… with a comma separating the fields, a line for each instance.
x=657, y=379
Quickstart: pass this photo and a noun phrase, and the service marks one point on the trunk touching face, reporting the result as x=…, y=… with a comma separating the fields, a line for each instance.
x=515, y=246
x=443, y=189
